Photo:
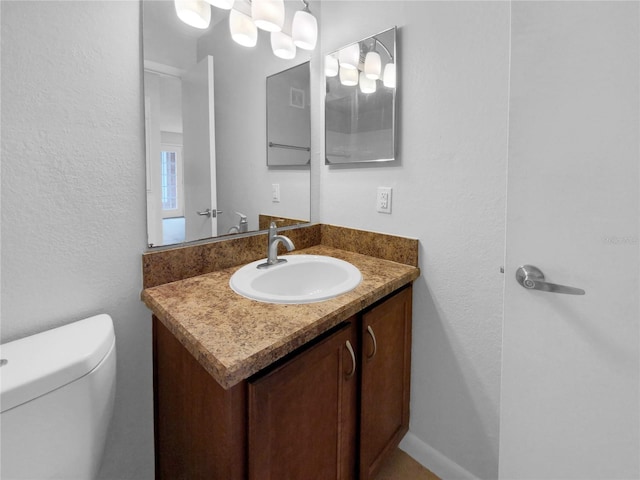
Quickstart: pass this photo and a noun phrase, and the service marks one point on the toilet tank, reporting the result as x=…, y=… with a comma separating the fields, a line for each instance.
x=57, y=391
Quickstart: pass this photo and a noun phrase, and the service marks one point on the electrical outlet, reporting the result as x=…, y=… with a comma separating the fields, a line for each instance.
x=383, y=201
x=275, y=192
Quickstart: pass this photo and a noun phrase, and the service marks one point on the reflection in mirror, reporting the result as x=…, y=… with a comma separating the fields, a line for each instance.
x=360, y=102
x=289, y=117
x=205, y=101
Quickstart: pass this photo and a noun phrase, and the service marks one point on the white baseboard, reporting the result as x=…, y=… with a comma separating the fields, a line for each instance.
x=433, y=460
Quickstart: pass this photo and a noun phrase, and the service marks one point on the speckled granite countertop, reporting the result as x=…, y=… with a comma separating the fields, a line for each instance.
x=233, y=337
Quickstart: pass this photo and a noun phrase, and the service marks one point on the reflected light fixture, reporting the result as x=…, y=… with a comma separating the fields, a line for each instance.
x=368, y=67
x=367, y=85
x=349, y=57
x=268, y=15
x=196, y=13
x=372, y=65
x=389, y=77
x=304, y=29
x=246, y=16
x=282, y=45
x=331, y=66
x=223, y=4
x=348, y=77
x=243, y=30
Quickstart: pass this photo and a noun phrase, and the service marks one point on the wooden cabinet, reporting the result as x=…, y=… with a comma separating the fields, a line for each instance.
x=302, y=415
x=332, y=410
x=200, y=428
x=386, y=373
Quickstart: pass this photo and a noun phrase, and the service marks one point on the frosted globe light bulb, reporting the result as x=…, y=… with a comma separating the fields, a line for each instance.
x=372, y=65
x=367, y=85
x=243, y=30
x=268, y=15
x=331, y=66
x=304, y=30
x=282, y=45
x=389, y=77
x=348, y=77
x=349, y=57
x=196, y=13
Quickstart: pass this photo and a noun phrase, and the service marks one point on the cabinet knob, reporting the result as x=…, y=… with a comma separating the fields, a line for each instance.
x=353, y=360
x=375, y=343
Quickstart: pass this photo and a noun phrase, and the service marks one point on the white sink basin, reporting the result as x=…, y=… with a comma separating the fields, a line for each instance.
x=302, y=279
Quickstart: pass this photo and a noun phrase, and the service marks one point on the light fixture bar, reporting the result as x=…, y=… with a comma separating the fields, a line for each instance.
x=383, y=46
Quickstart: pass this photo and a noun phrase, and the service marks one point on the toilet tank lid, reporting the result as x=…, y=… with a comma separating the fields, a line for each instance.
x=43, y=362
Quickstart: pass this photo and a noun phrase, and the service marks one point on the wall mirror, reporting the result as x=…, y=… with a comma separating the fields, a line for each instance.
x=206, y=130
x=360, y=101
x=289, y=117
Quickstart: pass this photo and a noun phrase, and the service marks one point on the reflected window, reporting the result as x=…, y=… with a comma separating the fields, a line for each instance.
x=169, y=179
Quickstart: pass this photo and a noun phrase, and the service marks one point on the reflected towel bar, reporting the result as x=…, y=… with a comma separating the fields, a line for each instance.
x=290, y=147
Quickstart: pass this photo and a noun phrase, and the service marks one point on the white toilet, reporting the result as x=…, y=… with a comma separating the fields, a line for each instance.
x=57, y=392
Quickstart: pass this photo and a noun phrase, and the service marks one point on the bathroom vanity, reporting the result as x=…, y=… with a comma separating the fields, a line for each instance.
x=245, y=389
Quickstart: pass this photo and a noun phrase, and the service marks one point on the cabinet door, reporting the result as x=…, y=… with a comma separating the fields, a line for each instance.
x=200, y=428
x=386, y=369
x=302, y=415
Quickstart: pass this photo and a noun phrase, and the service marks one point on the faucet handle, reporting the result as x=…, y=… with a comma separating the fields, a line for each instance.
x=275, y=221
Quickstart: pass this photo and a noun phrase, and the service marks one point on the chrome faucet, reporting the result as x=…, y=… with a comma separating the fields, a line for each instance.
x=272, y=247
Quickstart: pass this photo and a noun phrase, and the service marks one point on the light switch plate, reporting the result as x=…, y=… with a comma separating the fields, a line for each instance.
x=383, y=200
x=275, y=192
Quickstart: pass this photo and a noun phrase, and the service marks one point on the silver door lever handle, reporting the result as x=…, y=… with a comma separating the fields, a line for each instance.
x=210, y=213
x=532, y=278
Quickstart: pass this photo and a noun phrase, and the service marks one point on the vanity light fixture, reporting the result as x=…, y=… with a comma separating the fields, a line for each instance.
x=348, y=77
x=367, y=85
x=243, y=30
x=349, y=57
x=246, y=16
x=389, y=72
x=196, y=13
x=389, y=77
x=366, y=64
x=268, y=15
x=282, y=45
x=372, y=65
x=331, y=66
x=304, y=29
